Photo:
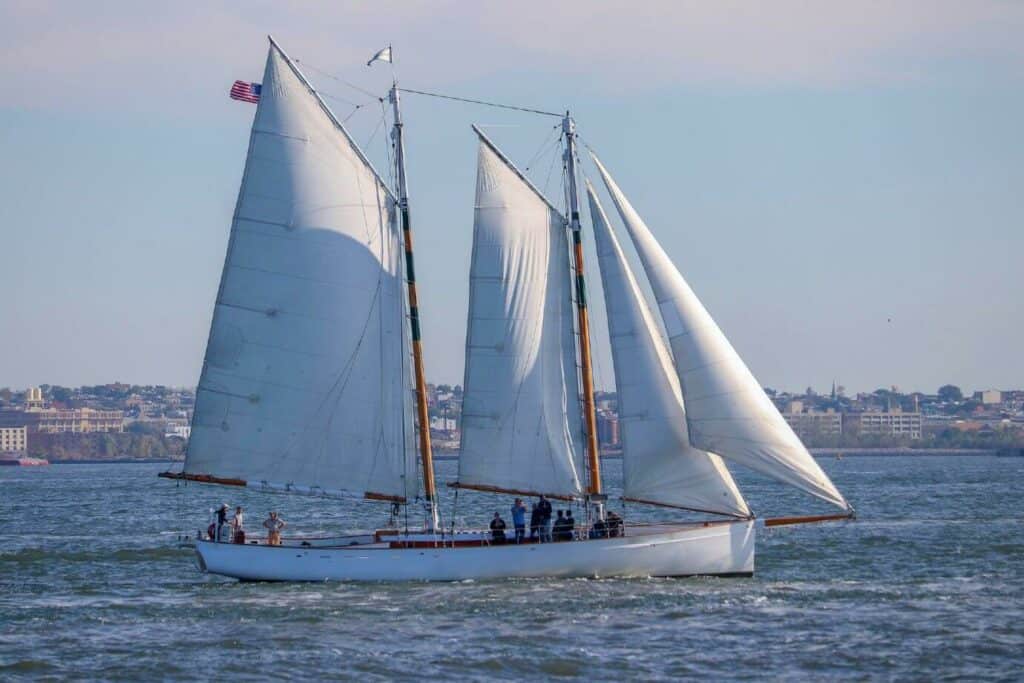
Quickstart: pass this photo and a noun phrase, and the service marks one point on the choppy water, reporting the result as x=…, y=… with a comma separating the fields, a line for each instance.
x=926, y=585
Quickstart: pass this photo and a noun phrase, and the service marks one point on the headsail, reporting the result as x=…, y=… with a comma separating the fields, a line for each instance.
x=727, y=411
x=659, y=464
x=305, y=380
x=521, y=419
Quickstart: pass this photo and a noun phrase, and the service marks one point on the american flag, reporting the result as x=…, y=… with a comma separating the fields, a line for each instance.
x=247, y=92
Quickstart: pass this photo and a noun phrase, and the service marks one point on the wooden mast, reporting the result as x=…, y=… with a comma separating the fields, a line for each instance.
x=423, y=415
x=589, y=415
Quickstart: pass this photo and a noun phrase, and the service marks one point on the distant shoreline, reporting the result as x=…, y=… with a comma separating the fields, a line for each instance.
x=112, y=461
x=615, y=455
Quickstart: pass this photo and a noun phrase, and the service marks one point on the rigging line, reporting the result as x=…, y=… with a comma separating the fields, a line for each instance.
x=339, y=80
x=554, y=158
x=352, y=113
x=376, y=130
x=543, y=148
x=389, y=149
x=486, y=104
x=337, y=98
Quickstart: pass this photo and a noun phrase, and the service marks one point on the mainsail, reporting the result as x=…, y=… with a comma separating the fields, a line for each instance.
x=727, y=411
x=659, y=464
x=521, y=419
x=305, y=380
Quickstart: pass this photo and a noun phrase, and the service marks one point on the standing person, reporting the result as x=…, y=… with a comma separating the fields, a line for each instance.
x=222, y=519
x=273, y=525
x=497, y=529
x=519, y=519
x=534, y=522
x=570, y=525
x=544, y=507
x=238, y=526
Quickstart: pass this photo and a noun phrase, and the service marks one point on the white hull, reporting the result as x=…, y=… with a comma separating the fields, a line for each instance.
x=715, y=549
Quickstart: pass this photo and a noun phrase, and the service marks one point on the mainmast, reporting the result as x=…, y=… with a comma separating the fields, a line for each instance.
x=589, y=416
x=426, y=453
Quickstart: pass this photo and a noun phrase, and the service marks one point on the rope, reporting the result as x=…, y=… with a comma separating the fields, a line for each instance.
x=339, y=80
x=486, y=104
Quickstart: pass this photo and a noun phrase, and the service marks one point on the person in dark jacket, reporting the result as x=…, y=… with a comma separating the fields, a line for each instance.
x=534, y=521
x=570, y=525
x=544, y=507
x=614, y=525
x=558, y=530
x=222, y=519
x=497, y=529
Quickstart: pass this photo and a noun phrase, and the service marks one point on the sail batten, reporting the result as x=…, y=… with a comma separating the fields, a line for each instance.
x=305, y=374
x=727, y=411
x=521, y=420
x=660, y=467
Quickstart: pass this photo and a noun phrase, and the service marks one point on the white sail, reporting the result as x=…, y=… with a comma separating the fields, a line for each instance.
x=727, y=411
x=305, y=380
x=521, y=418
x=659, y=465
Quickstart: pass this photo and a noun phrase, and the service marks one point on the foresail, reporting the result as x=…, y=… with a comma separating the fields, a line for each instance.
x=521, y=419
x=727, y=411
x=659, y=465
x=305, y=378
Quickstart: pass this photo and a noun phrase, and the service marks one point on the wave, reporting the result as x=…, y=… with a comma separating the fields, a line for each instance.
x=34, y=555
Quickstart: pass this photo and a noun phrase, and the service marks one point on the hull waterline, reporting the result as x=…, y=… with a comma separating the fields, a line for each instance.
x=716, y=549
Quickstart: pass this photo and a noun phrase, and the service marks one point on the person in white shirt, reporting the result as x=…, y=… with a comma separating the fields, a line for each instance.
x=238, y=526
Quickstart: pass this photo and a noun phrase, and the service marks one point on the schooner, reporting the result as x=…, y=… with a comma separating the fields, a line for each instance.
x=313, y=380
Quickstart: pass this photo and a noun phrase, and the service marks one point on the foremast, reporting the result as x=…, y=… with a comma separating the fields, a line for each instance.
x=586, y=367
x=422, y=414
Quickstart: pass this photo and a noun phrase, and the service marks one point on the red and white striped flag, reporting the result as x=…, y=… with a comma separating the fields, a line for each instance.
x=246, y=92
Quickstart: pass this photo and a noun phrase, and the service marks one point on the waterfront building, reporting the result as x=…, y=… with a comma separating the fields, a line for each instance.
x=991, y=397
x=34, y=398
x=812, y=422
x=443, y=424
x=889, y=423
x=607, y=428
x=59, y=420
x=13, y=439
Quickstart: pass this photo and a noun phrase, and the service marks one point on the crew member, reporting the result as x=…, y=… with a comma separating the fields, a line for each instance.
x=497, y=529
x=273, y=525
x=519, y=519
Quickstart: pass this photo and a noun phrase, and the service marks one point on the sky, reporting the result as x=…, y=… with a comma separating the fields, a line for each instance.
x=842, y=184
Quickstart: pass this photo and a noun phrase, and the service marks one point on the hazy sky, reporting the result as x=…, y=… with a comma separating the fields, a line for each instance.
x=841, y=183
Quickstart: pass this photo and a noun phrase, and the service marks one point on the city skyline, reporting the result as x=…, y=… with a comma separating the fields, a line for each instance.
x=838, y=184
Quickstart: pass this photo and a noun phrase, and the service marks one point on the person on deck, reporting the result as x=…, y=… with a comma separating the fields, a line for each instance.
x=497, y=529
x=559, y=527
x=519, y=519
x=238, y=526
x=534, y=521
x=570, y=525
x=614, y=522
x=222, y=519
x=273, y=525
x=544, y=507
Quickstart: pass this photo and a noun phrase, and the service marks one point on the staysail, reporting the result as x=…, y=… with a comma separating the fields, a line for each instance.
x=521, y=419
x=305, y=380
x=727, y=411
x=659, y=465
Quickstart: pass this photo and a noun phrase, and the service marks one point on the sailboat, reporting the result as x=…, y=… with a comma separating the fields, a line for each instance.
x=313, y=380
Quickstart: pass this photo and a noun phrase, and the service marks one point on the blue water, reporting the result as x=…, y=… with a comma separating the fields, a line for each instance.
x=926, y=585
